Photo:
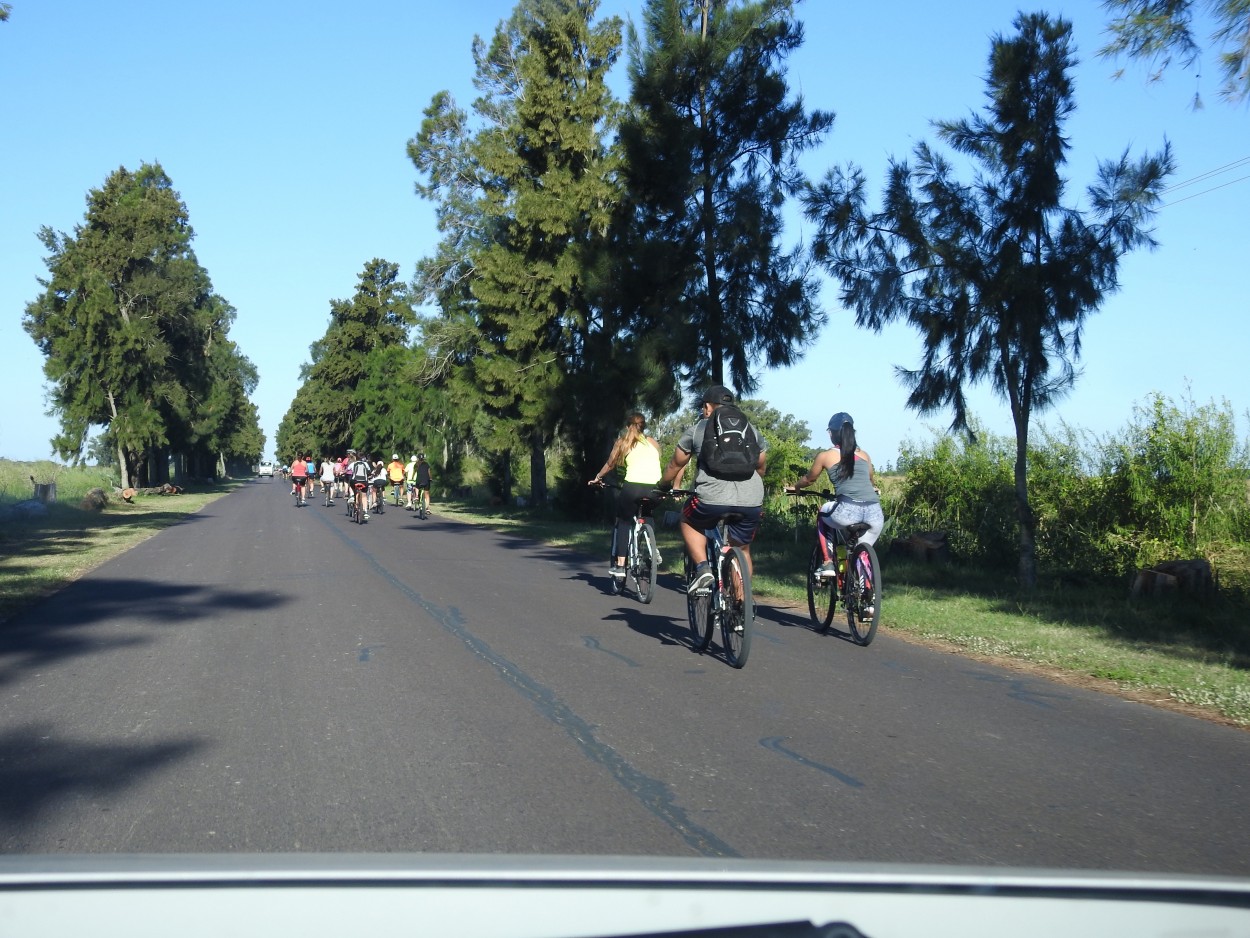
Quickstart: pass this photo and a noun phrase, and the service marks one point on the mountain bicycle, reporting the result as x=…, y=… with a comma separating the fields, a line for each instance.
x=642, y=554
x=855, y=580
x=299, y=492
x=398, y=490
x=728, y=603
x=328, y=490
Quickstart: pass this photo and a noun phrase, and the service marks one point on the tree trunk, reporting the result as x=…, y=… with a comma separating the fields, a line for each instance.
x=1024, y=512
x=123, y=469
x=538, y=470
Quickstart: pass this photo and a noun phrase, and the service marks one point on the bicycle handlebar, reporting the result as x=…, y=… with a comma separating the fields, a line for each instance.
x=824, y=493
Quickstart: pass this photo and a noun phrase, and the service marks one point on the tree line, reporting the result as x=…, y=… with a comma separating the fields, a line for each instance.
x=598, y=256
x=135, y=340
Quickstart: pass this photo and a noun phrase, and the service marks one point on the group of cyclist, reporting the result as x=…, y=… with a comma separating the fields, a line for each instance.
x=364, y=480
x=847, y=467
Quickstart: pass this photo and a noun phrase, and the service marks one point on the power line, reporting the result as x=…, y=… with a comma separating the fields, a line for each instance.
x=1204, y=191
x=1219, y=170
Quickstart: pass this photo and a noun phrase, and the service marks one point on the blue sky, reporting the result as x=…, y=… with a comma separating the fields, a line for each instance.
x=283, y=126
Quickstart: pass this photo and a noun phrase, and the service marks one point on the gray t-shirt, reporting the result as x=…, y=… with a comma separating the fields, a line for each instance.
x=714, y=491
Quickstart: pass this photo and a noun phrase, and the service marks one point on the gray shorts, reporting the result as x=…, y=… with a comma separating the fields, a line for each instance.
x=842, y=513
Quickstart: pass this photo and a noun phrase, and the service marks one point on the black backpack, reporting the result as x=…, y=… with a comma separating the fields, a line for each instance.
x=730, y=450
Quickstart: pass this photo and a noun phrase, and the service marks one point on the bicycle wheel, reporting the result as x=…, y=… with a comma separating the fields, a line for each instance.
x=822, y=592
x=698, y=612
x=863, y=593
x=643, y=571
x=738, y=618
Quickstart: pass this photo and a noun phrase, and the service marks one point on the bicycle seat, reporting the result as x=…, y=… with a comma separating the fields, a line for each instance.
x=856, y=531
x=731, y=517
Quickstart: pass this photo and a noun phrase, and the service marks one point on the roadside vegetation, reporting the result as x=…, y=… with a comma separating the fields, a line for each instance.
x=44, y=550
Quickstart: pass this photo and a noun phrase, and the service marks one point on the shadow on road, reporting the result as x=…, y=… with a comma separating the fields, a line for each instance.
x=60, y=627
x=38, y=770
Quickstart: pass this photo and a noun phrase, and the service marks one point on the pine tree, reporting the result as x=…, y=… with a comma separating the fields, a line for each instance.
x=123, y=323
x=330, y=405
x=535, y=187
x=997, y=275
x=711, y=145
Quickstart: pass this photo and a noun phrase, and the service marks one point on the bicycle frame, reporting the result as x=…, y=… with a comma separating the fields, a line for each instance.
x=734, y=614
x=857, y=575
x=641, y=572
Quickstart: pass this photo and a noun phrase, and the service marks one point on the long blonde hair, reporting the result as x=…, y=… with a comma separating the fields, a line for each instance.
x=635, y=430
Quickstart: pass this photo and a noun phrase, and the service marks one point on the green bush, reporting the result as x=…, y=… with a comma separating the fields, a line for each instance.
x=962, y=487
x=1175, y=483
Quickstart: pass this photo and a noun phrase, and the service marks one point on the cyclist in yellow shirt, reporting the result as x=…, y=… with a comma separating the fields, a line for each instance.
x=641, y=456
x=395, y=475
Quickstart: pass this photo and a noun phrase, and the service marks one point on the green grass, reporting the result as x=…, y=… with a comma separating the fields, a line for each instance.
x=39, y=555
x=1170, y=651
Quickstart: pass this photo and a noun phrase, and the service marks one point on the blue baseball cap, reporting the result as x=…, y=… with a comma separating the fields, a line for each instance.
x=836, y=421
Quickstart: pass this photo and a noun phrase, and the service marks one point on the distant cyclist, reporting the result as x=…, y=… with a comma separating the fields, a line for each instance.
x=299, y=477
x=421, y=476
x=358, y=474
x=395, y=472
x=377, y=479
x=327, y=478
x=410, y=480
x=641, y=456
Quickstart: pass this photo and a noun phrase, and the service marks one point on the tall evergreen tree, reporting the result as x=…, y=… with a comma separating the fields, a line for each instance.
x=711, y=145
x=536, y=181
x=328, y=408
x=122, y=323
x=996, y=275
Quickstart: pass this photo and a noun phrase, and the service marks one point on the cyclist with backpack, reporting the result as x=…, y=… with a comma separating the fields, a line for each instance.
x=358, y=473
x=729, y=457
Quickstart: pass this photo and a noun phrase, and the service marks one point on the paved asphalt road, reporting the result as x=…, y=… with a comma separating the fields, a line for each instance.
x=266, y=678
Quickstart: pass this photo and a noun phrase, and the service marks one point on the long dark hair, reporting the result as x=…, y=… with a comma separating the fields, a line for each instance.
x=846, y=449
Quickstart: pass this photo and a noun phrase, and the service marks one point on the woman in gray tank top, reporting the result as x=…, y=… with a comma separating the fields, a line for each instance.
x=850, y=473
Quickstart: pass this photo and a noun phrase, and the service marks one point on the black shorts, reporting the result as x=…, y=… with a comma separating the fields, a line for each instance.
x=699, y=515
